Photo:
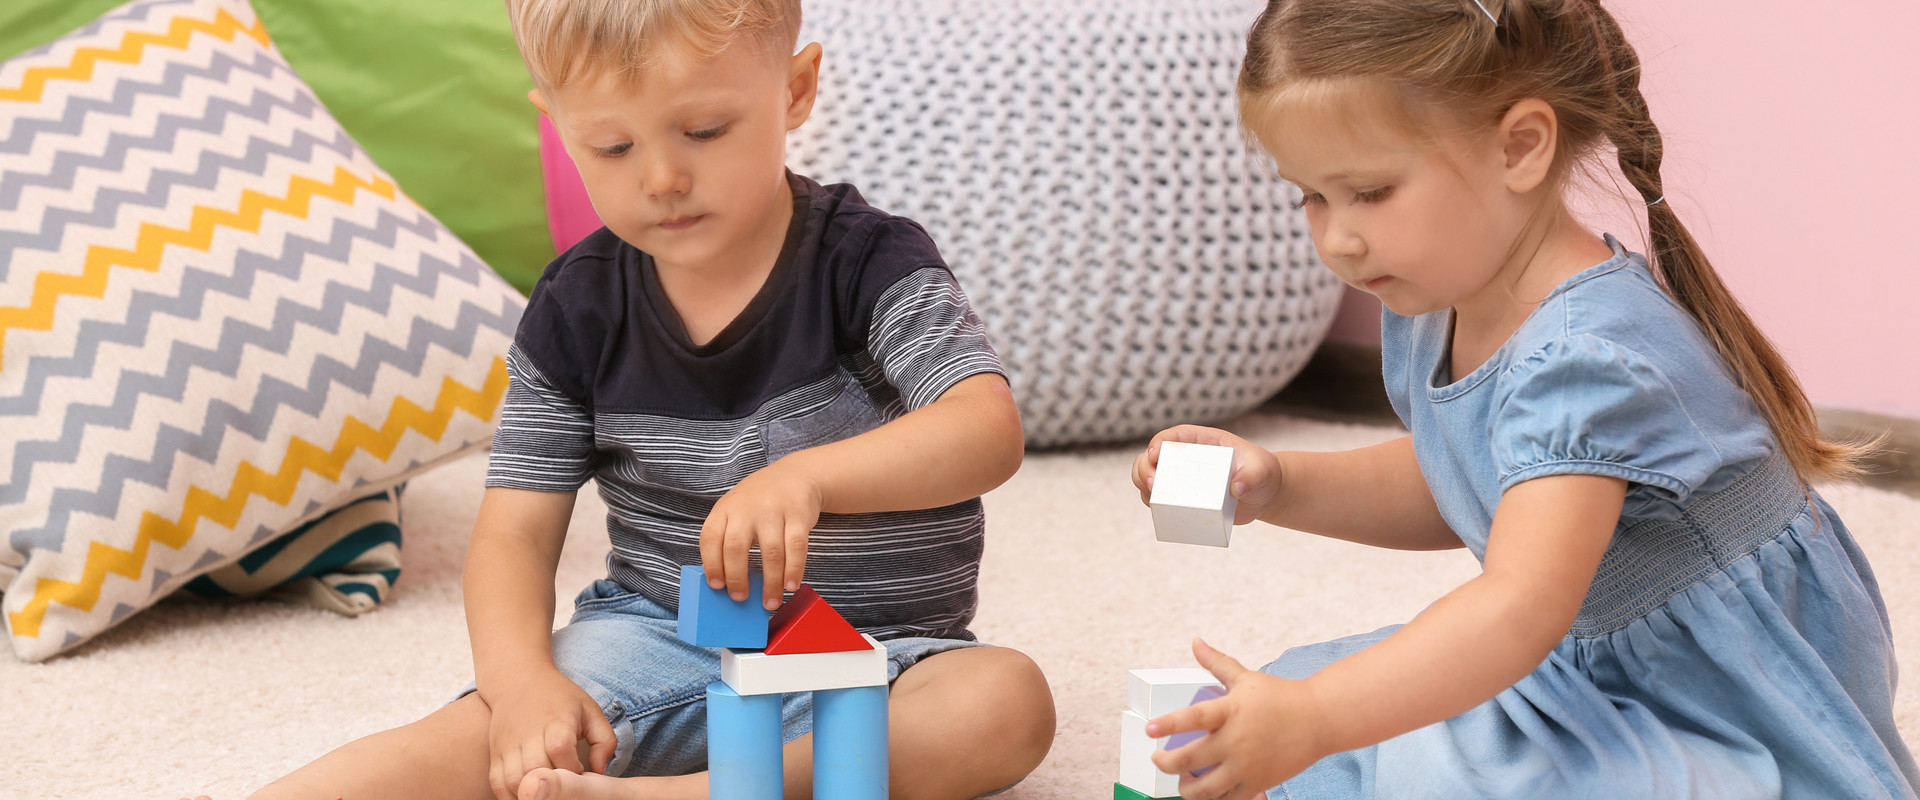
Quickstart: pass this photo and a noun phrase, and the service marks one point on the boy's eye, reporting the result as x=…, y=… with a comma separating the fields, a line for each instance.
x=615, y=150
x=707, y=134
x=1372, y=195
x=1307, y=200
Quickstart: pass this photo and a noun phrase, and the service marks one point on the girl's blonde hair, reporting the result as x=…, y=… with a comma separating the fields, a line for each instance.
x=561, y=39
x=1448, y=54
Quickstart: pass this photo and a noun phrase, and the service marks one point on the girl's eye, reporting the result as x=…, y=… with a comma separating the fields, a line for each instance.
x=1307, y=200
x=708, y=134
x=1372, y=195
x=616, y=150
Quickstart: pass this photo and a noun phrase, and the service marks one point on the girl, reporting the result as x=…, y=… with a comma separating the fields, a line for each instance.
x=1667, y=609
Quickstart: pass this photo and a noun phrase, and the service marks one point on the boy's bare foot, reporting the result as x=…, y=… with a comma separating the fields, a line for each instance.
x=559, y=784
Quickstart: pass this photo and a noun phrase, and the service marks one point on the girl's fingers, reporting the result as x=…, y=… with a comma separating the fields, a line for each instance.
x=1205, y=716
x=1198, y=754
x=1223, y=666
x=1216, y=785
x=1143, y=476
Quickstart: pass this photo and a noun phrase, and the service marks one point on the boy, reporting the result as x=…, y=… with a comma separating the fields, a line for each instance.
x=742, y=358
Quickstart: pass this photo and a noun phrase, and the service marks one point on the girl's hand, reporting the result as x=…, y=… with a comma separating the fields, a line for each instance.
x=1256, y=470
x=1264, y=731
x=539, y=722
x=776, y=508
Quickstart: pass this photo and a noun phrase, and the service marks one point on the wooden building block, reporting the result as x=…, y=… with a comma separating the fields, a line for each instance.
x=709, y=618
x=807, y=624
x=1192, y=501
x=752, y=672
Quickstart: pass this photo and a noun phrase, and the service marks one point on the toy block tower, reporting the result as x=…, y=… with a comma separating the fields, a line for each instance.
x=1192, y=497
x=1152, y=693
x=807, y=647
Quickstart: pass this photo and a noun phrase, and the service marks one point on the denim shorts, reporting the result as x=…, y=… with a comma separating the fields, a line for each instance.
x=623, y=649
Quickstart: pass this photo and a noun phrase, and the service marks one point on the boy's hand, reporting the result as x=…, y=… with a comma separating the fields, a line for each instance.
x=776, y=508
x=1261, y=733
x=537, y=723
x=1256, y=470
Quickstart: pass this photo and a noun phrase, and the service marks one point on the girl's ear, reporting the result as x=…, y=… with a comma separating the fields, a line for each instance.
x=539, y=101
x=1529, y=136
x=803, y=84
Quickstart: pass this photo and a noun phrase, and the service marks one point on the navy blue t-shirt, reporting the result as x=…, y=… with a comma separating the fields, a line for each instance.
x=859, y=322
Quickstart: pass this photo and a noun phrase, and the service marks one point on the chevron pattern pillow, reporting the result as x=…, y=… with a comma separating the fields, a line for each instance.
x=219, y=319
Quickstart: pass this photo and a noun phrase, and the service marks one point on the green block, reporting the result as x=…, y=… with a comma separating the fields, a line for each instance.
x=1123, y=792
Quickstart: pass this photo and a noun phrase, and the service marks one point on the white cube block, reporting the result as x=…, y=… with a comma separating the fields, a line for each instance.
x=1192, y=497
x=754, y=672
x=1137, y=771
x=1154, y=692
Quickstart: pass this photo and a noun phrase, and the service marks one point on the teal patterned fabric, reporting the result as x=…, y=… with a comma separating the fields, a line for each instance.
x=346, y=561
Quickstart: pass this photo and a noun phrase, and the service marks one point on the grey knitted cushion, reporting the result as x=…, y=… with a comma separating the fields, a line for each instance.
x=1081, y=165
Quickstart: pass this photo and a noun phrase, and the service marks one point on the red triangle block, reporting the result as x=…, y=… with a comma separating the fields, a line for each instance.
x=806, y=624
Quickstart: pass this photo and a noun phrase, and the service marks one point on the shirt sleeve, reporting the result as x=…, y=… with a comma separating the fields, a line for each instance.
x=926, y=338
x=1588, y=406
x=545, y=439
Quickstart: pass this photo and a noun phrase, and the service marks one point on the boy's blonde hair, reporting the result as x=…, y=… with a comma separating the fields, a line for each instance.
x=562, y=39
x=1472, y=60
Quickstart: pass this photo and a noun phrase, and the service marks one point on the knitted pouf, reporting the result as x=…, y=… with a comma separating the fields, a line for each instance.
x=1081, y=165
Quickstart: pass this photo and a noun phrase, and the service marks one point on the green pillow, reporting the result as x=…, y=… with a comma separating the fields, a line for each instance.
x=433, y=89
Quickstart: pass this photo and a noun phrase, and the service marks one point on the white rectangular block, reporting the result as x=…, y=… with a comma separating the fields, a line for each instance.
x=754, y=672
x=1137, y=771
x=1192, y=498
x=1153, y=692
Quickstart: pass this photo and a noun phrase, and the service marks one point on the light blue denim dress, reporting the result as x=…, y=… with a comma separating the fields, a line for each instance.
x=1733, y=644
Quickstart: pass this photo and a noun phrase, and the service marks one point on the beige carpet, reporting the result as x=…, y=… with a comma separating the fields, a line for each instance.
x=196, y=696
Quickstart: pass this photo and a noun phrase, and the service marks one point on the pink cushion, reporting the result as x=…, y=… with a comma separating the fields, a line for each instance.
x=570, y=215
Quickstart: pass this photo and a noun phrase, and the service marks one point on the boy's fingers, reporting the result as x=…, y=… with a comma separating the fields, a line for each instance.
x=560, y=750
x=600, y=743
x=733, y=553
x=712, y=534
x=497, y=780
x=1223, y=666
x=773, y=563
x=797, y=534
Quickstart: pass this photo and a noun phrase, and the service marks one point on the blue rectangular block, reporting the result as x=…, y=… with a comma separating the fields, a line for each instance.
x=709, y=618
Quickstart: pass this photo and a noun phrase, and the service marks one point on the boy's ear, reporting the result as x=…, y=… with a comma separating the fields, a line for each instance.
x=803, y=84
x=1529, y=136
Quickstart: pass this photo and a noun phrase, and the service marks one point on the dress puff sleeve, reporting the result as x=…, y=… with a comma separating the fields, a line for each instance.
x=1584, y=405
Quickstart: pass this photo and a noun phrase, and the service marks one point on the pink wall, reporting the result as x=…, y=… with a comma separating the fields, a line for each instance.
x=1793, y=153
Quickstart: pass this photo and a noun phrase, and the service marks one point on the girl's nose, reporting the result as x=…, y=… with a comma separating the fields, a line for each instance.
x=1340, y=242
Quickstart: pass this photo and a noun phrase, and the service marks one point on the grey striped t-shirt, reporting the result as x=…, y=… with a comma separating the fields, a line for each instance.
x=859, y=323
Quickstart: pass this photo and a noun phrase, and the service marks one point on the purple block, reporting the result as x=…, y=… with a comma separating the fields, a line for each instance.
x=1180, y=740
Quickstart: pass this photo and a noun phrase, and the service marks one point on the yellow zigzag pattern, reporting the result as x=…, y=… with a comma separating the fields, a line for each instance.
x=249, y=481
x=223, y=27
x=48, y=287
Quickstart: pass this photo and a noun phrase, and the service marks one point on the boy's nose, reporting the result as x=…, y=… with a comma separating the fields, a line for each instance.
x=661, y=177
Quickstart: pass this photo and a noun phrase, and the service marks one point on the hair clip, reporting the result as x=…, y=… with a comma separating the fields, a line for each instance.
x=1656, y=201
x=1483, y=10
